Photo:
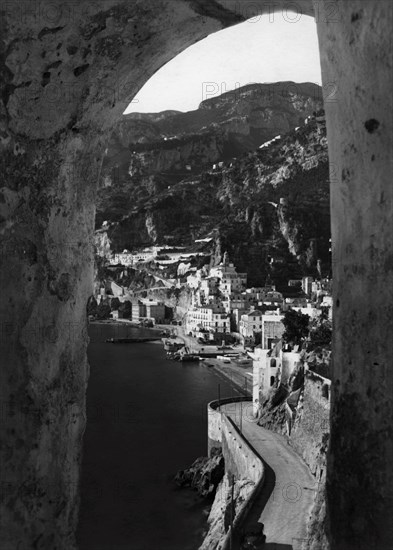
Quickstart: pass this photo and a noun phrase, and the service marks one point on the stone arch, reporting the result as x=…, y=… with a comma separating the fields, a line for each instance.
x=68, y=71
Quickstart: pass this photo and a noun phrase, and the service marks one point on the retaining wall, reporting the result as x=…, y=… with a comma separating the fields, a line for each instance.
x=241, y=459
x=214, y=420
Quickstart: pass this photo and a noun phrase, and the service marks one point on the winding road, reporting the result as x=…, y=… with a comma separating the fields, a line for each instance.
x=286, y=499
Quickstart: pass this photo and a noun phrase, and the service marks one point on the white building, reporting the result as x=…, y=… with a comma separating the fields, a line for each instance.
x=230, y=280
x=205, y=288
x=272, y=329
x=307, y=285
x=264, y=374
x=235, y=301
x=130, y=258
x=250, y=323
x=209, y=317
x=123, y=258
x=255, y=293
x=269, y=366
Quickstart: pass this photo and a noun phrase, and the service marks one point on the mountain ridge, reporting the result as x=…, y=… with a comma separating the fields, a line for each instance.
x=168, y=190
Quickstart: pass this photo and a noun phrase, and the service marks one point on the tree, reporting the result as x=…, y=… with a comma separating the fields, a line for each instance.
x=321, y=331
x=296, y=327
x=91, y=306
x=125, y=308
x=103, y=311
x=115, y=303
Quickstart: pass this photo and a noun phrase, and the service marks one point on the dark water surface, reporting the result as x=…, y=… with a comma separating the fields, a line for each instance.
x=146, y=419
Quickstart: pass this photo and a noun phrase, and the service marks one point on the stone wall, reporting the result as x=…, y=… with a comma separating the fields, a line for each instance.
x=214, y=427
x=215, y=419
x=243, y=465
x=241, y=460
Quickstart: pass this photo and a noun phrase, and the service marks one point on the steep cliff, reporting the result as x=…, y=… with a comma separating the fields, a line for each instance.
x=269, y=206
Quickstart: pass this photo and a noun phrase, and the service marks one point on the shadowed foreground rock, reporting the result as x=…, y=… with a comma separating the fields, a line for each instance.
x=204, y=475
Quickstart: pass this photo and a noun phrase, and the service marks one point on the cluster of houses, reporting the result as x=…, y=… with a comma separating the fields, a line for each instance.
x=222, y=307
x=222, y=304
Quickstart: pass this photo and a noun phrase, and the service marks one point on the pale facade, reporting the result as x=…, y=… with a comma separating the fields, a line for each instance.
x=230, y=280
x=235, y=301
x=138, y=310
x=269, y=365
x=211, y=318
x=250, y=323
x=128, y=258
x=272, y=329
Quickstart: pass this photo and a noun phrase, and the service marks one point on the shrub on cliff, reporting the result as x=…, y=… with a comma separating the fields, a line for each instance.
x=91, y=307
x=320, y=332
x=125, y=308
x=115, y=303
x=103, y=311
x=204, y=475
x=296, y=327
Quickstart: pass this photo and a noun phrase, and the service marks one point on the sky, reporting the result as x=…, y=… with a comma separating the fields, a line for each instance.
x=263, y=49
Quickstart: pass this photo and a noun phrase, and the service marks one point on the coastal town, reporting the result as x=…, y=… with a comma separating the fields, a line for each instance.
x=241, y=331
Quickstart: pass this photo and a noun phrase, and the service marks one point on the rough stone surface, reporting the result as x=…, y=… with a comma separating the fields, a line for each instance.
x=310, y=432
x=148, y=196
x=221, y=510
x=68, y=72
x=356, y=55
x=204, y=475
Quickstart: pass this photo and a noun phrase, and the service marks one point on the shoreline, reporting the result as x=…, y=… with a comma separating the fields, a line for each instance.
x=230, y=372
x=235, y=375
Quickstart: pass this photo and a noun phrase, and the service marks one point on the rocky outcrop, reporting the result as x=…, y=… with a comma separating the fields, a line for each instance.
x=204, y=475
x=223, y=509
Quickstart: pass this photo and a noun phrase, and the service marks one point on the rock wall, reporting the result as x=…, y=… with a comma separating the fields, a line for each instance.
x=360, y=130
x=235, y=203
x=221, y=510
x=311, y=428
